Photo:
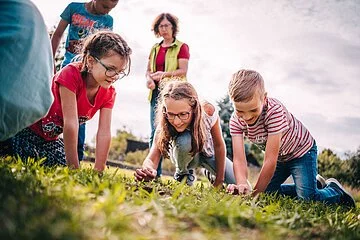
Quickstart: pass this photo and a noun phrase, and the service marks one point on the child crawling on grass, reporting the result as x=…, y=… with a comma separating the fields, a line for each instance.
x=188, y=131
x=289, y=147
x=80, y=90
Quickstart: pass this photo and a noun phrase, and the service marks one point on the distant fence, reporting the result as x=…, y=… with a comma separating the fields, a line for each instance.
x=133, y=146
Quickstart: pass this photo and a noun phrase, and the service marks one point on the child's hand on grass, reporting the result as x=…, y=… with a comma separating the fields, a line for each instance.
x=145, y=174
x=243, y=188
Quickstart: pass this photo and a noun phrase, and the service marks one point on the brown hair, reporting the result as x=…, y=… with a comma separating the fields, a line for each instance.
x=101, y=43
x=179, y=90
x=243, y=85
x=171, y=18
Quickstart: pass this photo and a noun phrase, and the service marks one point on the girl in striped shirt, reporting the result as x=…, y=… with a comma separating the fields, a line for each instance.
x=289, y=147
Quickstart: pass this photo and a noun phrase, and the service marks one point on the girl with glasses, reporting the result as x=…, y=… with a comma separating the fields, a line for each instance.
x=81, y=19
x=189, y=133
x=80, y=90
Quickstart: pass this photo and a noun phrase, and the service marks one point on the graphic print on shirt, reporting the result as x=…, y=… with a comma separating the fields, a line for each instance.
x=52, y=126
x=83, y=24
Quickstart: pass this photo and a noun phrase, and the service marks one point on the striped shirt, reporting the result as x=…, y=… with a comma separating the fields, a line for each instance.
x=296, y=140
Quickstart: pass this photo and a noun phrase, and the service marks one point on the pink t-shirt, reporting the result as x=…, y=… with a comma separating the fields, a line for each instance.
x=51, y=126
x=296, y=140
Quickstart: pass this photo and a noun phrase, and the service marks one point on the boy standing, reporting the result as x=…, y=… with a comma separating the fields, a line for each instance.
x=83, y=19
x=289, y=147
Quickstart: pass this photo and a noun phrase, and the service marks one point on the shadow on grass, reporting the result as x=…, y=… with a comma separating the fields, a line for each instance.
x=26, y=212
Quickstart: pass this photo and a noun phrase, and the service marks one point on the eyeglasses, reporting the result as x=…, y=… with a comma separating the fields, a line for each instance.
x=165, y=26
x=181, y=116
x=111, y=72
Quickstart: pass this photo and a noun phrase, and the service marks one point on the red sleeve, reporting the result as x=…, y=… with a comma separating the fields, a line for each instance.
x=70, y=78
x=184, y=52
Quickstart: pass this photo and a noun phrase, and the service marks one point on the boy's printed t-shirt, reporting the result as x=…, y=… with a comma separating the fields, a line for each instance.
x=296, y=140
x=51, y=126
x=81, y=24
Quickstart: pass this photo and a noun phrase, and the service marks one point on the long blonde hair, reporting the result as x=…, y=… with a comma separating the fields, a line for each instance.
x=179, y=90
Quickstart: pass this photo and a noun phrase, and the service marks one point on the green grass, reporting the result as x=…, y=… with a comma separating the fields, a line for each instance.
x=58, y=203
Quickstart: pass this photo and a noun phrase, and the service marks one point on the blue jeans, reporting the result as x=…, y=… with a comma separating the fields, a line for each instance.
x=81, y=141
x=183, y=161
x=304, y=171
x=153, y=106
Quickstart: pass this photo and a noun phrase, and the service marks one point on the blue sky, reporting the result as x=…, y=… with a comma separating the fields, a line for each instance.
x=307, y=51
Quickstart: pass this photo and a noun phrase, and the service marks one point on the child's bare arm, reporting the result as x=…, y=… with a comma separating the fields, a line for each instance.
x=269, y=165
x=103, y=139
x=57, y=35
x=242, y=185
x=220, y=153
x=71, y=126
x=239, y=160
x=148, y=170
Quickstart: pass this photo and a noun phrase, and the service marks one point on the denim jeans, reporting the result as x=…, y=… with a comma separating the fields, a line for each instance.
x=153, y=106
x=81, y=141
x=304, y=171
x=180, y=156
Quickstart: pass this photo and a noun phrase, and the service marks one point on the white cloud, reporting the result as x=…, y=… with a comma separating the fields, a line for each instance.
x=308, y=53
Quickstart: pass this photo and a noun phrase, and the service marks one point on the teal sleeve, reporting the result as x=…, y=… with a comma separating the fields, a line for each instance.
x=26, y=66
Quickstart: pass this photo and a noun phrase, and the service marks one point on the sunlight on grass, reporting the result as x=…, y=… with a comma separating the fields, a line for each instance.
x=58, y=203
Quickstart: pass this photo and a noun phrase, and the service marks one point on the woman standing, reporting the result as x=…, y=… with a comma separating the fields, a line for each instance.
x=168, y=60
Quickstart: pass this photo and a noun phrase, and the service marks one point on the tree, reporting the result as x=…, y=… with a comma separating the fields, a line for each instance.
x=330, y=165
x=118, y=143
x=59, y=56
x=226, y=109
x=253, y=154
x=353, y=169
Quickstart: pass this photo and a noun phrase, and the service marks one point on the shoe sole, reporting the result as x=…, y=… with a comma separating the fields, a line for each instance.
x=209, y=176
x=349, y=199
x=320, y=181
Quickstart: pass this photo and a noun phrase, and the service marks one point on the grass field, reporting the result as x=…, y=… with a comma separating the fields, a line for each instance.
x=58, y=203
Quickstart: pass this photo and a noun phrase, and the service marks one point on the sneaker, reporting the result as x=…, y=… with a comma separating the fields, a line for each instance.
x=211, y=177
x=179, y=177
x=190, y=178
x=320, y=181
x=346, y=197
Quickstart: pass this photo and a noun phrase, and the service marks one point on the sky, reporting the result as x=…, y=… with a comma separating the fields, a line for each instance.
x=308, y=53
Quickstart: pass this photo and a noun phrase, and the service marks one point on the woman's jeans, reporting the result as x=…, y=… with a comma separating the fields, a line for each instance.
x=180, y=156
x=153, y=106
x=304, y=171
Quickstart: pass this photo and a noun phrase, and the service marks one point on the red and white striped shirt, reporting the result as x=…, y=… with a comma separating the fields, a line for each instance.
x=296, y=140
